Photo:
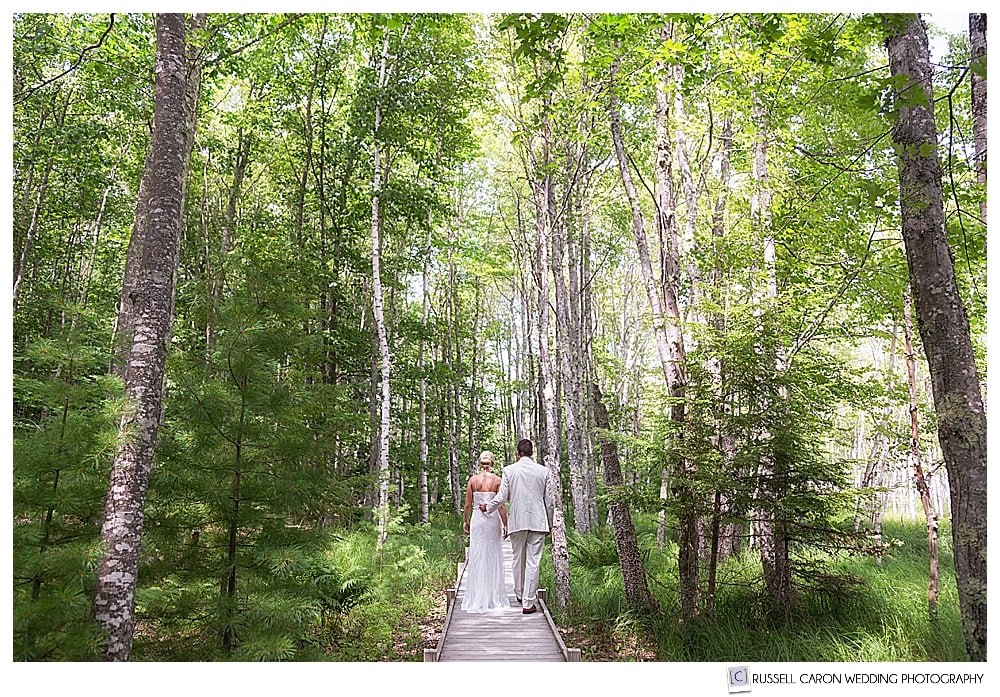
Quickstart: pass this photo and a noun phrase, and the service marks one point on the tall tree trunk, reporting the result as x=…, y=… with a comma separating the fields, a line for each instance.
x=378, y=310
x=879, y=448
x=126, y=318
x=568, y=355
x=114, y=597
x=452, y=389
x=425, y=313
x=666, y=227
x=688, y=537
x=692, y=192
x=918, y=471
x=473, y=453
x=768, y=530
x=637, y=593
x=941, y=319
x=726, y=536
x=542, y=191
x=583, y=290
x=977, y=46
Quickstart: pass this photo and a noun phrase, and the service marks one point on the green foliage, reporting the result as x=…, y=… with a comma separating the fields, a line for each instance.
x=593, y=551
x=242, y=421
x=255, y=528
x=882, y=616
x=539, y=39
x=338, y=591
x=65, y=432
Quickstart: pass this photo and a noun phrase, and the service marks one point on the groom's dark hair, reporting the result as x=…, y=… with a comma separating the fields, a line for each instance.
x=524, y=447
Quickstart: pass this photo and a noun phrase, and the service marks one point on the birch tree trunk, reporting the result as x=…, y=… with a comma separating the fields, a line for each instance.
x=769, y=532
x=568, y=337
x=692, y=191
x=977, y=46
x=452, y=390
x=941, y=318
x=370, y=500
x=378, y=308
x=688, y=538
x=542, y=192
x=425, y=313
x=724, y=537
x=918, y=471
x=121, y=531
x=473, y=451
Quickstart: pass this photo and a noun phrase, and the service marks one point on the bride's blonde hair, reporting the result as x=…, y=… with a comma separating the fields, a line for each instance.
x=486, y=458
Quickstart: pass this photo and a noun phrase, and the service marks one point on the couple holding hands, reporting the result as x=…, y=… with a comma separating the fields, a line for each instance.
x=525, y=487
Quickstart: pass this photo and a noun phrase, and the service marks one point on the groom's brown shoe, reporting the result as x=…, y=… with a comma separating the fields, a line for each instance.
x=529, y=610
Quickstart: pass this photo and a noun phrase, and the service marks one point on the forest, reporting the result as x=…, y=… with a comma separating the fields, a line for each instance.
x=279, y=279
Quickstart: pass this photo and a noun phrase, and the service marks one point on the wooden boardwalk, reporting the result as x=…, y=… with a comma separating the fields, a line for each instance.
x=499, y=635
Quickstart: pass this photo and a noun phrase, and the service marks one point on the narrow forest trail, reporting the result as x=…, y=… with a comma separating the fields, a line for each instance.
x=501, y=635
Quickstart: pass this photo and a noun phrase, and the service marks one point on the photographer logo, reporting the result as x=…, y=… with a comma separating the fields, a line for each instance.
x=739, y=679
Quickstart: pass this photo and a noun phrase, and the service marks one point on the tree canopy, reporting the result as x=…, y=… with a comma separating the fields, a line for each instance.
x=408, y=238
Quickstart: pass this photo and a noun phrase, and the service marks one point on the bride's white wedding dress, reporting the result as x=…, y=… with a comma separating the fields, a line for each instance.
x=485, y=588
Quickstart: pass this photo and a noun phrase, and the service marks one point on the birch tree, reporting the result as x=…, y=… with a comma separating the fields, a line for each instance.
x=542, y=195
x=378, y=312
x=919, y=480
x=977, y=45
x=665, y=316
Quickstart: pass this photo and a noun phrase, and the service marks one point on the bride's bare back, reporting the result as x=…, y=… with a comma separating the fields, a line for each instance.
x=484, y=481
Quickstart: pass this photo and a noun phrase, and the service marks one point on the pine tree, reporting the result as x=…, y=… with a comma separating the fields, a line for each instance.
x=64, y=434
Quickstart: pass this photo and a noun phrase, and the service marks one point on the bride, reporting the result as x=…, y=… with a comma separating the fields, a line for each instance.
x=485, y=587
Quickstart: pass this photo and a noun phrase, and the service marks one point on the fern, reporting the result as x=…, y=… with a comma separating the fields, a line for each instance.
x=594, y=550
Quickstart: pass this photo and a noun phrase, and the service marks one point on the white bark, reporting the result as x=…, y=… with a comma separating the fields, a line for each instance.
x=378, y=310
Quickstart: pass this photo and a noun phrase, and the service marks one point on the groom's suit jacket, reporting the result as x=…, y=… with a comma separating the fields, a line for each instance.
x=525, y=485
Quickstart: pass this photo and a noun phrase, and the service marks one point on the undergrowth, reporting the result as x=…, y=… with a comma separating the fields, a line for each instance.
x=343, y=601
x=868, y=611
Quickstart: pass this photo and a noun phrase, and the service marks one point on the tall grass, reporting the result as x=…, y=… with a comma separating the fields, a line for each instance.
x=883, y=617
x=371, y=606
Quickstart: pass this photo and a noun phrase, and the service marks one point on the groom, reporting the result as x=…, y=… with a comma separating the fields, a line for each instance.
x=525, y=484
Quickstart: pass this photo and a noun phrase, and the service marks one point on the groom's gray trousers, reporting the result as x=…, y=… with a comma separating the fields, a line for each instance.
x=527, y=546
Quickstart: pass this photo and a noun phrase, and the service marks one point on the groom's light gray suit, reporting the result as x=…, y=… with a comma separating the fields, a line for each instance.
x=525, y=485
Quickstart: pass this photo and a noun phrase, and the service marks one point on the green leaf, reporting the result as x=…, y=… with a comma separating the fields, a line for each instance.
x=978, y=66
